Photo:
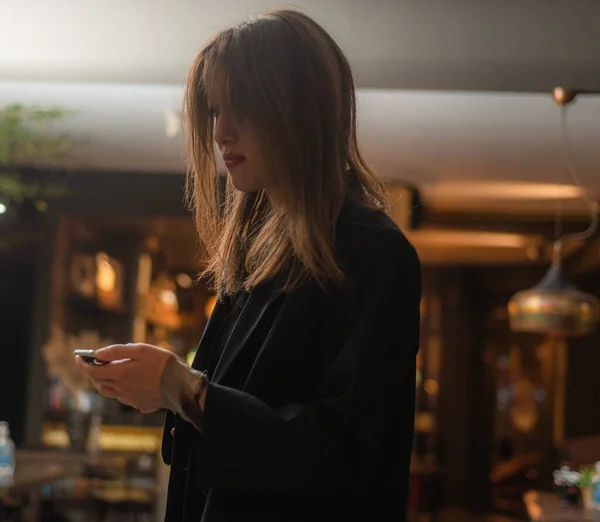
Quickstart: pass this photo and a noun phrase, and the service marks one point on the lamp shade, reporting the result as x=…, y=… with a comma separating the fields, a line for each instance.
x=554, y=306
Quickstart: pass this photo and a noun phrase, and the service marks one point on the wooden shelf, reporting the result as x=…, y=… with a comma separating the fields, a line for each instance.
x=125, y=416
x=95, y=305
x=113, y=438
x=144, y=255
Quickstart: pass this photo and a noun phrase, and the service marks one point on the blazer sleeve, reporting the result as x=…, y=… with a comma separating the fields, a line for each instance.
x=339, y=439
x=166, y=448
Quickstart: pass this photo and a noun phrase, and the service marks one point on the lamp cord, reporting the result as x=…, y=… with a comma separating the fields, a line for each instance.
x=558, y=219
x=592, y=205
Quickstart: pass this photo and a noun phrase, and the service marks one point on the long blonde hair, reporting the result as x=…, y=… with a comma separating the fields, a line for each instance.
x=287, y=78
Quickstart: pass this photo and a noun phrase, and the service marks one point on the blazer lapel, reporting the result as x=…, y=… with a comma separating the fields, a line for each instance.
x=218, y=315
x=253, y=312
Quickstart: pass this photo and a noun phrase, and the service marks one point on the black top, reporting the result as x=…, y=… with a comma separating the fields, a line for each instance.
x=310, y=412
x=235, y=306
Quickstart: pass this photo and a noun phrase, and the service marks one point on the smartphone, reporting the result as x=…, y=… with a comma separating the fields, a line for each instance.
x=89, y=357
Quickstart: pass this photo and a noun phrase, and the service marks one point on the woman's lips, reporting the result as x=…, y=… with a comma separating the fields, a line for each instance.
x=233, y=160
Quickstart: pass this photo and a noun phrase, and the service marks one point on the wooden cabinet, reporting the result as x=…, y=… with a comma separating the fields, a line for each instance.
x=120, y=280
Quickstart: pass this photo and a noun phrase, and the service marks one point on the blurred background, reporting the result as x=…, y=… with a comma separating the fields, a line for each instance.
x=455, y=110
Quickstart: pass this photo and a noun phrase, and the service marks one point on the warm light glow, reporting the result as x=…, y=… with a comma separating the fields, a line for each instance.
x=106, y=275
x=184, y=280
x=533, y=305
x=568, y=311
x=559, y=95
x=563, y=96
x=424, y=422
x=210, y=304
x=431, y=387
x=533, y=252
x=586, y=310
x=468, y=238
x=502, y=190
x=2, y=208
x=168, y=297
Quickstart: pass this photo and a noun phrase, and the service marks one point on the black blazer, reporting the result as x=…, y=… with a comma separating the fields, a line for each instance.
x=310, y=413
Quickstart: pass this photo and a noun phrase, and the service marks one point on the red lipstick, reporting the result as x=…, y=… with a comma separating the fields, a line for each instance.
x=233, y=160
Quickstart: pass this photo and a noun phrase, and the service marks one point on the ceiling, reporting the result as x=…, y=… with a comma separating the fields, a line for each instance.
x=456, y=147
x=453, y=97
x=508, y=45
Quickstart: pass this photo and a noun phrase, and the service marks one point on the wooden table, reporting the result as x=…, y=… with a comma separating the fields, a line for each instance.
x=33, y=470
x=549, y=507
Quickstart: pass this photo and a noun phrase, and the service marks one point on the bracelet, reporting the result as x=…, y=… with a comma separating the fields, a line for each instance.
x=183, y=390
x=192, y=403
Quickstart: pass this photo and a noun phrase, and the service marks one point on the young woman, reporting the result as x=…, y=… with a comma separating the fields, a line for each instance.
x=299, y=405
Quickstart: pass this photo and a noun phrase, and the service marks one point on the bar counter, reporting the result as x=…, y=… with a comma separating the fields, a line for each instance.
x=37, y=468
x=549, y=507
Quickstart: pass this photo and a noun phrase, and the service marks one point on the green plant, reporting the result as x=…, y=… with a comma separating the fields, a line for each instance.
x=22, y=139
x=25, y=141
x=585, y=476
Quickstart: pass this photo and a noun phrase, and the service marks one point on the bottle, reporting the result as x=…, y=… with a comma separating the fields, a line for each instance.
x=596, y=486
x=585, y=485
x=7, y=451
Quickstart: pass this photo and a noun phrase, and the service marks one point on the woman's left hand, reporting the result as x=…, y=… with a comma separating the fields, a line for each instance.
x=133, y=375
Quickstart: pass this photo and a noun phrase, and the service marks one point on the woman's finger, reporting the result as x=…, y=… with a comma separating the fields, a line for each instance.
x=115, y=371
x=106, y=390
x=121, y=352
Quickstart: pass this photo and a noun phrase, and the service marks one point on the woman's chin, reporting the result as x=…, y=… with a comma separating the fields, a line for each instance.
x=244, y=184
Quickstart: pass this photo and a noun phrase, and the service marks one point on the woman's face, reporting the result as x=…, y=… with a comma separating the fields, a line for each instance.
x=240, y=150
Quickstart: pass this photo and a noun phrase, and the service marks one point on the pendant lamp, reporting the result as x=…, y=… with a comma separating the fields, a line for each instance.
x=554, y=305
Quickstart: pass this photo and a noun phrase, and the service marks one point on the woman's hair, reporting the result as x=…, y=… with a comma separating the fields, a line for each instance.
x=286, y=78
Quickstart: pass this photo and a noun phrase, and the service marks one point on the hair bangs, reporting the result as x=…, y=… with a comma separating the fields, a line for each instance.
x=227, y=78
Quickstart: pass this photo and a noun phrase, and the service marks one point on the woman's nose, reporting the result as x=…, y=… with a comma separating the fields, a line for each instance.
x=224, y=131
